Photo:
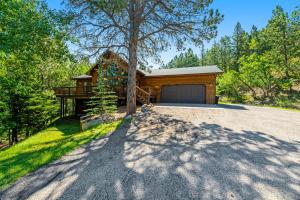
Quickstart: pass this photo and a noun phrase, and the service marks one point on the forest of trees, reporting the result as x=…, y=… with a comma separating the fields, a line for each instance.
x=34, y=58
x=260, y=66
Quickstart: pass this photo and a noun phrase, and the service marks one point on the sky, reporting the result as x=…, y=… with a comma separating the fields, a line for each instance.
x=247, y=12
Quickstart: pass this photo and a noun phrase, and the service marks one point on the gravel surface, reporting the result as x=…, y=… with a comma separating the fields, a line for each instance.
x=180, y=152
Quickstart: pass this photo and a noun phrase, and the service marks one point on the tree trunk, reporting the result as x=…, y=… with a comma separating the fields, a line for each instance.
x=14, y=135
x=9, y=137
x=286, y=59
x=27, y=125
x=132, y=51
x=27, y=132
x=131, y=84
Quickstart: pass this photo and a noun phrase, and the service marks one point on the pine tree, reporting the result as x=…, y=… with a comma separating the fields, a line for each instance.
x=226, y=58
x=240, y=44
x=104, y=102
x=186, y=59
x=202, y=54
x=281, y=40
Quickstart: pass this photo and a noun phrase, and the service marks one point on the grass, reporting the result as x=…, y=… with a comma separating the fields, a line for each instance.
x=46, y=146
x=263, y=105
x=282, y=101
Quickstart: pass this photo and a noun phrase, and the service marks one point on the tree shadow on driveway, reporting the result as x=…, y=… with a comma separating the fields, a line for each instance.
x=160, y=157
x=209, y=106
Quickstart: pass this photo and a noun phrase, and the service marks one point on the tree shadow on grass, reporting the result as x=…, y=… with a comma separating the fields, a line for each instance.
x=160, y=157
x=36, y=154
x=67, y=126
x=22, y=163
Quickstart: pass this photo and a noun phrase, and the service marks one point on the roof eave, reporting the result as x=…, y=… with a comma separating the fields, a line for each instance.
x=78, y=78
x=150, y=75
x=142, y=72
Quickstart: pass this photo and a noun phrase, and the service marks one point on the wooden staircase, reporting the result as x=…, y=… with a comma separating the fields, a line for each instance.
x=142, y=96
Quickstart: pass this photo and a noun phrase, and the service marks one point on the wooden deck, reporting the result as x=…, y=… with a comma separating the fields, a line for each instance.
x=84, y=92
x=89, y=91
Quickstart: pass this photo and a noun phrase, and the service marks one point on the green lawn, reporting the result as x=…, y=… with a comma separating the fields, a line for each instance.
x=46, y=146
x=262, y=105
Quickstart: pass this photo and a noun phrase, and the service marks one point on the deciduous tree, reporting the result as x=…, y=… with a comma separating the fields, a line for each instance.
x=33, y=58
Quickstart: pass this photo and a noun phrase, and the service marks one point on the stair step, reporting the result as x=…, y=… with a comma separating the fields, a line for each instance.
x=141, y=96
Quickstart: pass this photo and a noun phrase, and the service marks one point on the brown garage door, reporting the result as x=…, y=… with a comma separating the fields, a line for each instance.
x=183, y=94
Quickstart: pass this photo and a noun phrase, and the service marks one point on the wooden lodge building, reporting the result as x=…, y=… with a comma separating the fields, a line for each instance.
x=176, y=85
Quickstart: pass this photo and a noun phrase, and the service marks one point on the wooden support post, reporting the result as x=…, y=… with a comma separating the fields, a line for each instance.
x=73, y=107
x=66, y=107
x=65, y=113
x=61, y=107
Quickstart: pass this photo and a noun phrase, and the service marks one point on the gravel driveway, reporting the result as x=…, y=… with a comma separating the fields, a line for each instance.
x=180, y=152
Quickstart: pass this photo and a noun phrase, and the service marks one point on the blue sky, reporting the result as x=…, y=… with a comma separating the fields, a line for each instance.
x=247, y=12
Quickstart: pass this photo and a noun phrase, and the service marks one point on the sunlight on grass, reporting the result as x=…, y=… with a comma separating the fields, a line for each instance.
x=261, y=105
x=46, y=146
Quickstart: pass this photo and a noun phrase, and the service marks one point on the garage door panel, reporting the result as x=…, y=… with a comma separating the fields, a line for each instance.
x=183, y=94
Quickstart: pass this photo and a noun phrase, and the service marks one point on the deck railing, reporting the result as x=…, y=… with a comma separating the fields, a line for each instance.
x=89, y=91
x=142, y=95
x=85, y=91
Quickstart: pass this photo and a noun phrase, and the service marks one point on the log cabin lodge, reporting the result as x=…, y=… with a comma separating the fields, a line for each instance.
x=196, y=85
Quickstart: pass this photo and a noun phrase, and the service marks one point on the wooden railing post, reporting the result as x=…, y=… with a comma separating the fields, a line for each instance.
x=143, y=95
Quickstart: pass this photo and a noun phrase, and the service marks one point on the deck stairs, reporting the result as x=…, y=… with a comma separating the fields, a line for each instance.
x=142, y=96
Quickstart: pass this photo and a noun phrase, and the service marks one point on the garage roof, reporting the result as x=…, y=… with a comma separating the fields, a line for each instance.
x=213, y=69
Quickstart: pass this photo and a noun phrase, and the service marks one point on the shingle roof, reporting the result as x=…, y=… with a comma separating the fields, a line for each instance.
x=82, y=77
x=184, y=71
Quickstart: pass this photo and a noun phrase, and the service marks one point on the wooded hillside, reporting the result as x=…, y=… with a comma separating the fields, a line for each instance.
x=33, y=58
x=260, y=66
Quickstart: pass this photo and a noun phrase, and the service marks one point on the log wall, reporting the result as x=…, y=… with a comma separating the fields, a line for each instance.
x=154, y=84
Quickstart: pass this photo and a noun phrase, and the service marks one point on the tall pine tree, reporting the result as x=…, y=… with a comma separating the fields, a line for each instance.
x=240, y=44
x=104, y=102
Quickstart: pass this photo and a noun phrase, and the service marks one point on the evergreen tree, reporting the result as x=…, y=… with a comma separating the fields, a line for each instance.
x=226, y=57
x=215, y=53
x=295, y=46
x=281, y=39
x=212, y=56
x=202, y=54
x=254, y=32
x=186, y=59
x=104, y=102
x=240, y=44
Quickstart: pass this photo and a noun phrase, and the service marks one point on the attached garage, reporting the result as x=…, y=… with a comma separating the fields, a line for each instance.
x=184, y=93
x=181, y=85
